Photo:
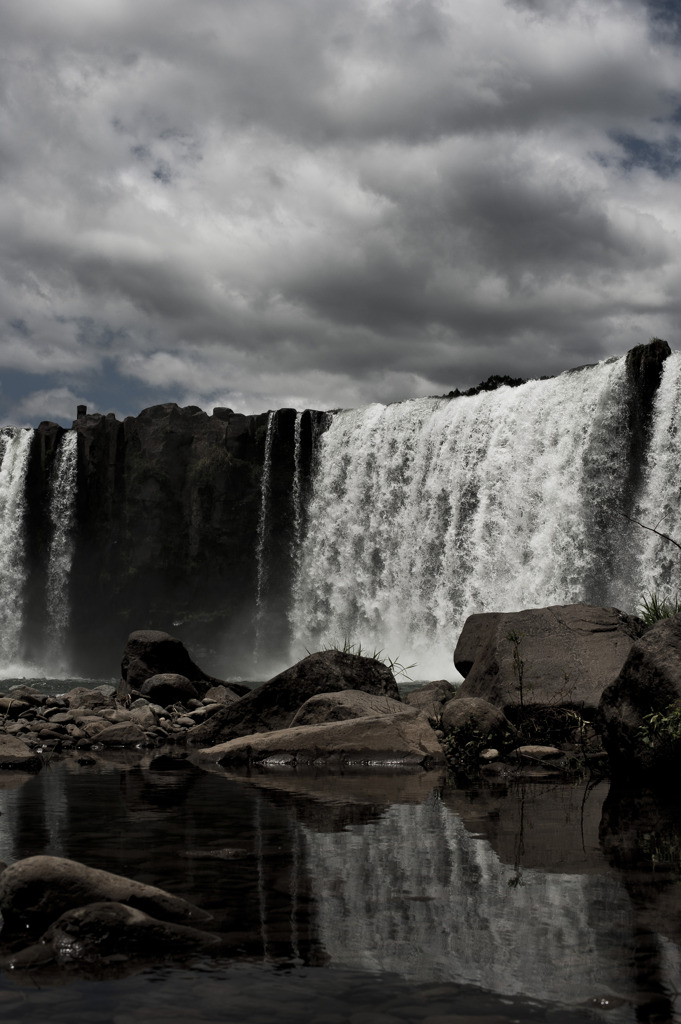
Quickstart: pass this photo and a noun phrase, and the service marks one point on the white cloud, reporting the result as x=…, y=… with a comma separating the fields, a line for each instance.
x=58, y=404
x=336, y=195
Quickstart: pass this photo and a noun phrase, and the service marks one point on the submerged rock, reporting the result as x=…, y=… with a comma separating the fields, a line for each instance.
x=36, y=891
x=110, y=931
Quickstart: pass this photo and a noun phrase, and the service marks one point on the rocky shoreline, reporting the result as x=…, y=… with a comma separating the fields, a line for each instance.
x=548, y=694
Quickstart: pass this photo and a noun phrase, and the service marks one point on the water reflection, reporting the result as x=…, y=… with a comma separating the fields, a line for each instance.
x=568, y=895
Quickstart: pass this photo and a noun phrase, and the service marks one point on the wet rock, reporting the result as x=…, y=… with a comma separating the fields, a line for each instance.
x=223, y=694
x=36, y=891
x=570, y=654
x=382, y=740
x=150, y=652
x=16, y=755
x=168, y=688
x=337, y=707
x=82, y=699
x=101, y=931
x=431, y=698
x=273, y=705
x=185, y=722
x=117, y=734
x=144, y=717
x=36, y=698
x=649, y=683
x=471, y=717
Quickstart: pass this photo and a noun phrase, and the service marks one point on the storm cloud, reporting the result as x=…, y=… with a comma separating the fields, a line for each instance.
x=324, y=203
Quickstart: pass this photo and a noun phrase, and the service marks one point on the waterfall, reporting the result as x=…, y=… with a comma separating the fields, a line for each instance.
x=660, y=504
x=14, y=448
x=425, y=511
x=263, y=530
x=297, y=496
x=62, y=510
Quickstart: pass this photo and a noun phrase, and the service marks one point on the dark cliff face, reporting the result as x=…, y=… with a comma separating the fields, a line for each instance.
x=169, y=505
x=168, y=508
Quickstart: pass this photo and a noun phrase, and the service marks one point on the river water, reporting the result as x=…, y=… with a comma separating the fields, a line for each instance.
x=366, y=899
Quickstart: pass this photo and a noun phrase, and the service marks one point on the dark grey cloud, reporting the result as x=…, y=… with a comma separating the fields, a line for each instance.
x=327, y=202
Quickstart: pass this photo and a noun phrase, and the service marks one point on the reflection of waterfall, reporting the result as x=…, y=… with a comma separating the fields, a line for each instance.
x=416, y=893
x=660, y=504
x=62, y=515
x=263, y=531
x=14, y=448
x=425, y=511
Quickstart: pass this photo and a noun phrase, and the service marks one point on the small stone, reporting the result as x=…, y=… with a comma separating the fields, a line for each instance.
x=536, y=752
x=62, y=718
x=489, y=754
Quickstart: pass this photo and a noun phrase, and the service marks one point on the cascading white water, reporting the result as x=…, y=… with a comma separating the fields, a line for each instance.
x=263, y=527
x=14, y=449
x=297, y=497
x=62, y=510
x=425, y=511
x=660, y=504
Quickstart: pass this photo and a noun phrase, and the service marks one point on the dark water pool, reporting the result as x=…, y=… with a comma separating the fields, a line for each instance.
x=366, y=899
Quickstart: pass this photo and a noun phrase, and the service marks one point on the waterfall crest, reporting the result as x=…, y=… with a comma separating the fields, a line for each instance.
x=425, y=511
x=62, y=510
x=15, y=445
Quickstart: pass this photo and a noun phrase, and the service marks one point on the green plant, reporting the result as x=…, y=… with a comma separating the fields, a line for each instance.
x=463, y=746
x=654, y=608
x=661, y=730
x=518, y=668
x=347, y=646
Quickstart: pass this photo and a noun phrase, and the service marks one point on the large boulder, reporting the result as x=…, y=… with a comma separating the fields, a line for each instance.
x=150, y=652
x=649, y=684
x=273, y=705
x=403, y=739
x=564, y=655
x=36, y=891
x=346, y=704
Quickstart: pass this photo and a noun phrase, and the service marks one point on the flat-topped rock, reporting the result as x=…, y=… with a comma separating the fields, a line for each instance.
x=380, y=740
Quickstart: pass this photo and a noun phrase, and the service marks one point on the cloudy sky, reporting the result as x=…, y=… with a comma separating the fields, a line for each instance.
x=322, y=203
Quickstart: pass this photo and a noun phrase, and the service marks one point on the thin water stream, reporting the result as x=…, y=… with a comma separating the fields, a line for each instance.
x=364, y=899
